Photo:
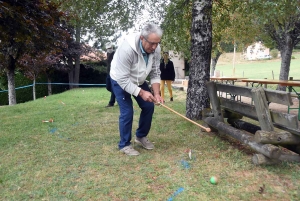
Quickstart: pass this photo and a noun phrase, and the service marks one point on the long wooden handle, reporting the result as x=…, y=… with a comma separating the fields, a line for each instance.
x=205, y=128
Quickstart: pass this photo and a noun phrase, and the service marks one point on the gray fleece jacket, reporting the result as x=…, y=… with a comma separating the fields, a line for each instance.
x=128, y=67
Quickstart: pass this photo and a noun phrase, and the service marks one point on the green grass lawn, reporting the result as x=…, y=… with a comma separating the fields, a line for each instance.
x=258, y=69
x=76, y=157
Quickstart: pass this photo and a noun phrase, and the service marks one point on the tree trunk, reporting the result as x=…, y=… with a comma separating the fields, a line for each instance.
x=71, y=72
x=77, y=57
x=214, y=61
x=49, y=86
x=33, y=89
x=12, y=99
x=286, y=56
x=201, y=35
x=77, y=71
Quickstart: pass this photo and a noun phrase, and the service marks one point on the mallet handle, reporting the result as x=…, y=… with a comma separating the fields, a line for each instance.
x=205, y=128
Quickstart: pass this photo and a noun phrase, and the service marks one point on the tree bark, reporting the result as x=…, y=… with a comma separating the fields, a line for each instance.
x=201, y=36
x=49, y=86
x=276, y=137
x=10, y=72
x=214, y=61
x=286, y=56
x=71, y=72
x=33, y=89
x=77, y=57
x=260, y=159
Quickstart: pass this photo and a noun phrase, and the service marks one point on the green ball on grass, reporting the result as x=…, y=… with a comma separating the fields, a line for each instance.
x=214, y=180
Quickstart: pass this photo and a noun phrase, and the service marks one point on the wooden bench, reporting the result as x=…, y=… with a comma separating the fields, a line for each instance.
x=275, y=136
x=294, y=94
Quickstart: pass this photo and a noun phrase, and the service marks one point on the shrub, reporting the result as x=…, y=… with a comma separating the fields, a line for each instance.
x=274, y=53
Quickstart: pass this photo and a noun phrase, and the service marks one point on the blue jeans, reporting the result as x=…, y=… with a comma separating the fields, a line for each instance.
x=126, y=114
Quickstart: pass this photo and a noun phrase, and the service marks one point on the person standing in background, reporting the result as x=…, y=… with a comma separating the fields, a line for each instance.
x=167, y=75
x=136, y=58
x=109, y=57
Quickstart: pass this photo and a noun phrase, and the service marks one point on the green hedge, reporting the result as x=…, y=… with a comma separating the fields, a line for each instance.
x=87, y=76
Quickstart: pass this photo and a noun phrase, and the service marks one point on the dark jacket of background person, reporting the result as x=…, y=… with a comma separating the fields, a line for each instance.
x=167, y=70
x=110, y=57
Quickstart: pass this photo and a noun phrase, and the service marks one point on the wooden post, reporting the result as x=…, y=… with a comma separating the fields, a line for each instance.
x=290, y=88
x=262, y=109
x=207, y=112
x=214, y=100
x=265, y=85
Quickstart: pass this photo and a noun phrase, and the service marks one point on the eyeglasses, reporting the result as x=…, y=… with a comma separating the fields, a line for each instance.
x=151, y=43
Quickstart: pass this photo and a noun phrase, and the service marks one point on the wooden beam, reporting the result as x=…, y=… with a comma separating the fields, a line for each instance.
x=276, y=137
x=232, y=89
x=239, y=107
x=274, y=96
x=262, y=109
x=280, y=120
x=280, y=97
x=284, y=119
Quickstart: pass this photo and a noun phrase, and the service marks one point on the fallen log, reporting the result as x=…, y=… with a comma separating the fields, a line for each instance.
x=290, y=157
x=268, y=150
x=260, y=159
x=276, y=137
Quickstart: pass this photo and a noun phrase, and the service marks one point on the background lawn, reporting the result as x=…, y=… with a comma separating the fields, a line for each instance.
x=256, y=69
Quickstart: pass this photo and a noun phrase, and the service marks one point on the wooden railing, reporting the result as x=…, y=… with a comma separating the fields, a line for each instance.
x=275, y=137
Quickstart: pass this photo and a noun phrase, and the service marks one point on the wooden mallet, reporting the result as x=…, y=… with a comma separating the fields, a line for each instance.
x=205, y=128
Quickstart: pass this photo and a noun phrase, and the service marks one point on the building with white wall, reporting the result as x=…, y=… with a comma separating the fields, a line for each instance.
x=257, y=51
x=178, y=62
